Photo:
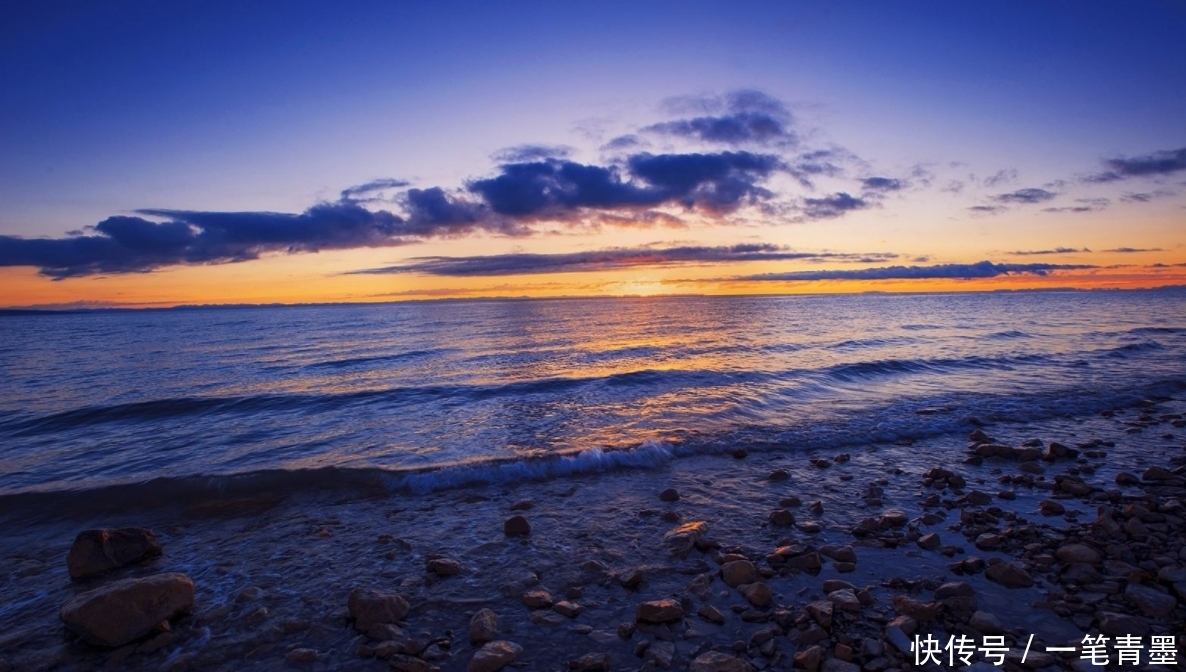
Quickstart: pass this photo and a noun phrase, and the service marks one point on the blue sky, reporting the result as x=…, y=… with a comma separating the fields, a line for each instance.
x=111, y=108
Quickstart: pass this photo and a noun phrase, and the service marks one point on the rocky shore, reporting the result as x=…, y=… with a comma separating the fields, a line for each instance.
x=1039, y=535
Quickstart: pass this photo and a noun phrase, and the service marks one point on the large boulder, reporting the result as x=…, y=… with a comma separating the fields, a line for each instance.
x=99, y=551
x=370, y=607
x=124, y=611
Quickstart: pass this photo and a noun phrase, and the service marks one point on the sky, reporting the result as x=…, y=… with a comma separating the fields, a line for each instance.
x=156, y=154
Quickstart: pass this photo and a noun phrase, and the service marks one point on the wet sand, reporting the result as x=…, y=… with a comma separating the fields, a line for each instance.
x=273, y=572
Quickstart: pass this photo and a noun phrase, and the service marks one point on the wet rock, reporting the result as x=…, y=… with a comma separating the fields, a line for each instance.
x=370, y=607
x=810, y=658
x=661, y=653
x=402, y=662
x=301, y=656
x=1051, y=508
x=126, y=610
x=568, y=609
x=494, y=656
x=1150, y=601
x=715, y=661
x=1156, y=473
x=99, y=551
x=986, y=623
x=1116, y=625
x=483, y=627
x=1009, y=575
x=757, y=594
x=1125, y=478
x=443, y=567
x=779, y=475
x=631, y=579
x=916, y=610
x=738, y=572
x=1078, y=553
x=669, y=495
x=781, y=518
x=837, y=665
x=537, y=599
x=839, y=553
x=711, y=614
x=681, y=540
x=525, y=505
x=978, y=498
x=516, y=526
x=660, y=611
x=821, y=612
x=988, y=541
x=591, y=662
x=844, y=600
x=893, y=518
x=547, y=618
x=929, y=542
x=832, y=585
x=740, y=453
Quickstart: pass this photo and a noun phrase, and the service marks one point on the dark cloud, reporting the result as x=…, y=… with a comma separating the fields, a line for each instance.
x=526, y=153
x=1027, y=196
x=356, y=193
x=1165, y=162
x=431, y=212
x=982, y=269
x=742, y=117
x=136, y=245
x=615, y=258
x=1057, y=250
x=1145, y=197
x=1001, y=177
x=881, y=184
x=832, y=206
x=1070, y=208
x=1126, y=250
x=622, y=142
x=719, y=182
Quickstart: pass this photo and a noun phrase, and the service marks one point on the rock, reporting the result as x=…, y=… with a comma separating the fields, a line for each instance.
x=954, y=589
x=99, y=551
x=483, y=627
x=371, y=607
x=822, y=613
x=916, y=610
x=832, y=585
x=1111, y=623
x=402, y=662
x=669, y=495
x=631, y=579
x=1157, y=474
x=591, y=662
x=124, y=611
x=1125, y=478
x=300, y=656
x=757, y=594
x=740, y=453
x=1030, y=467
x=978, y=498
x=681, y=540
x=660, y=611
x=711, y=614
x=837, y=665
x=738, y=572
x=1051, y=508
x=547, y=618
x=516, y=526
x=810, y=658
x=662, y=653
x=893, y=519
x=839, y=553
x=844, y=600
x=1009, y=575
x=524, y=505
x=1076, y=553
x=781, y=518
x=568, y=609
x=494, y=656
x=715, y=661
x=443, y=567
x=986, y=623
x=929, y=542
x=988, y=541
x=1150, y=601
x=537, y=599
x=779, y=475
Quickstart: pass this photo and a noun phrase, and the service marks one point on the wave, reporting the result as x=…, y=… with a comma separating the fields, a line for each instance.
x=358, y=361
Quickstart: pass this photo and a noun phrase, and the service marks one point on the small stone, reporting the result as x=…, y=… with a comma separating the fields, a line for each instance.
x=681, y=540
x=516, y=526
x=483, y=627
x=631, y=579
x=986, y=623
x=402, y=662
x=662, y=653
x=1150, y=601
x=779, y=475
x=822, y=613
x=494, y=656
x=660, y=611
x=810, y=658
x=1156, y=473
x=1051, y=508
x=1117, y=625
x=525, y=505
x=740, y=453
x=568, y=609
x=1076, y=553
x=1125, y=478
x=892, y=519
x=837, y=665
x=781, y=518
x=547, y=618
x=669, y=495
x=591, y=662
x=844, y=600
x=711, y=614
